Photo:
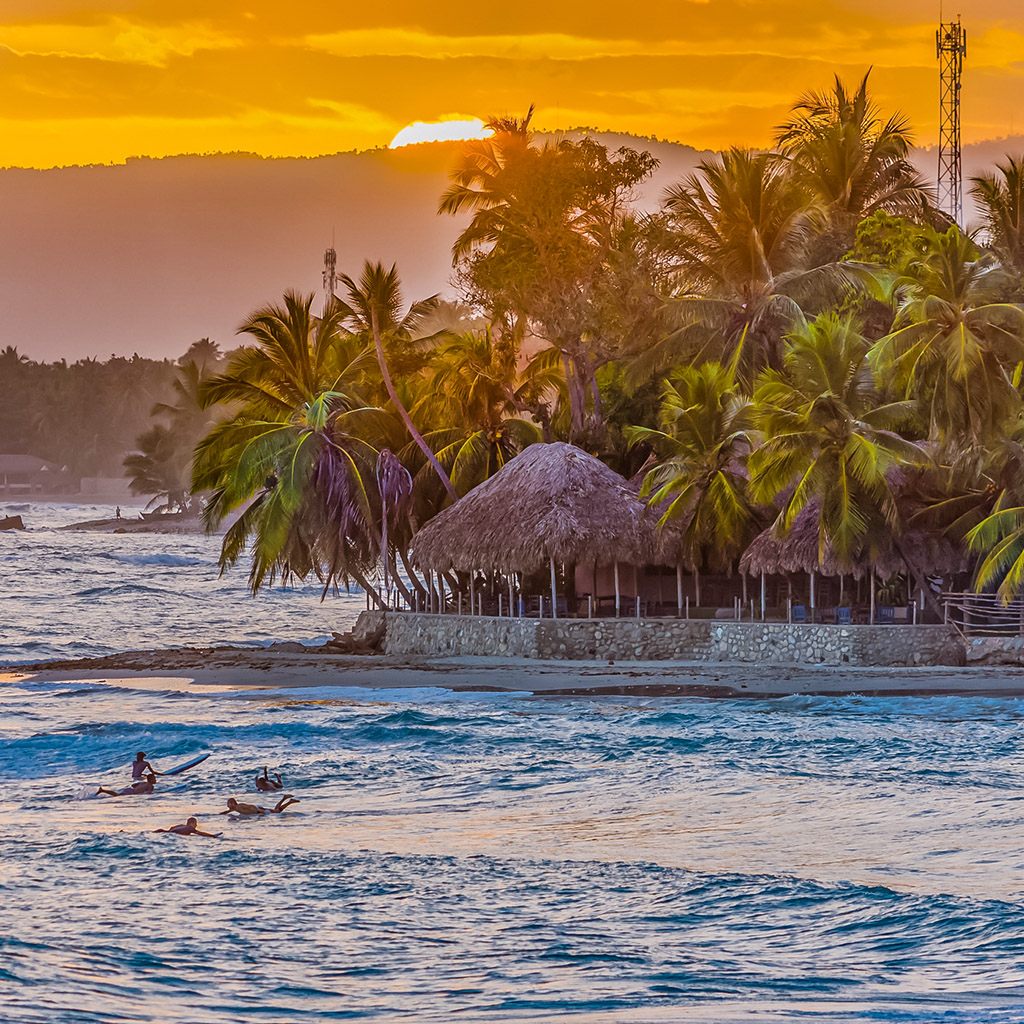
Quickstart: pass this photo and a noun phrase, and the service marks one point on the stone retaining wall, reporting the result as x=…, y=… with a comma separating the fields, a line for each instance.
x=409, y=634
x=995, y=650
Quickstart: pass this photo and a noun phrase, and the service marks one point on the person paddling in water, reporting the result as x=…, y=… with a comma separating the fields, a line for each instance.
x=266, y=784
x=146, y=785
x=140, y=766
x=252, y=810
x=190, y=828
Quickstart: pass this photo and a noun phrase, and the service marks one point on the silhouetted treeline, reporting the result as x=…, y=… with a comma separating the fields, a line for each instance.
x=86, y=415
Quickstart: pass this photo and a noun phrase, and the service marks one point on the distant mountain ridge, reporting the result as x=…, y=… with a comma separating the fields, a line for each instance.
x=150, y=255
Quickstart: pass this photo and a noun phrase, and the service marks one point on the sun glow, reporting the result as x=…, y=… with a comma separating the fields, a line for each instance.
x=440, y=131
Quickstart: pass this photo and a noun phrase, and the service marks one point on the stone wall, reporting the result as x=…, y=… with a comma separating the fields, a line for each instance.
x=631, y=639
x=995, y=650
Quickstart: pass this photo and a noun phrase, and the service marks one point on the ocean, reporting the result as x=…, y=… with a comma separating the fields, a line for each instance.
x=480, y=856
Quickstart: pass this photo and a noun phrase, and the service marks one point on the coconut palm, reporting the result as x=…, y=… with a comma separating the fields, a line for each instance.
x=743, y=223
x=478, y=181
x=373, y=309
x=699, y=483
x=1000, y=198
x=954, y=345
x=161, y=467
x=470, y=395
x=830, y=438
x=851, y=159
x=299, y=453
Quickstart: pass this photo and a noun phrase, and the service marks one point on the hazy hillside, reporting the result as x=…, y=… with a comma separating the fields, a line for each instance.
x=149, y=256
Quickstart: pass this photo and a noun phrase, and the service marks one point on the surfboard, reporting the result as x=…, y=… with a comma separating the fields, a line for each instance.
x=185, y=767
x=88, y=791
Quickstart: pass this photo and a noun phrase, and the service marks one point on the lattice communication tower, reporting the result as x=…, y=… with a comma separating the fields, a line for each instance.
x=951, y=48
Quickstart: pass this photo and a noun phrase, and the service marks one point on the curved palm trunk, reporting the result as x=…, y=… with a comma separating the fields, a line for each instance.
x=406, y=418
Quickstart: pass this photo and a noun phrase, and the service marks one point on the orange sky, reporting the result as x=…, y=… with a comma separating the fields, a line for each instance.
x=97, y=82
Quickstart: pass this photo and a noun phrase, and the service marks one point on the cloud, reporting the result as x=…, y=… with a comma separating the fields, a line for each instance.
x=115, y=39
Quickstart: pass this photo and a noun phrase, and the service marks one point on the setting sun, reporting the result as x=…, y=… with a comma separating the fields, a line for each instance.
x=440, y=131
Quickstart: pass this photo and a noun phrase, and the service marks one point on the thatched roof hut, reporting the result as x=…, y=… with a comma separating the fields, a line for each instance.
x=797, y=551
x=552, y=501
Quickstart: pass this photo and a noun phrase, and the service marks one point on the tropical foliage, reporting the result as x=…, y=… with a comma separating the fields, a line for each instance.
x=789, y=334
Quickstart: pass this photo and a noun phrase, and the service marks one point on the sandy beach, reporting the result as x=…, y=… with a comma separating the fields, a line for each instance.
x=293, y=666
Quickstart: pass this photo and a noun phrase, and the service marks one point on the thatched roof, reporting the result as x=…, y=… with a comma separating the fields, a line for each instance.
x=551, y=501
x=797, y=551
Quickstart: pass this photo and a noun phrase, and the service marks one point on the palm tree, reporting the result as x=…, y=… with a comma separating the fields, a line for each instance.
x=470, y=395
x=1001, y=199
x=161, y=467
x=374, y=308
x=702, y=446
x=742, y=225
x=478, y=181
x=851, y=159
x=954, y=346
x=830, y=438
x=299, y=451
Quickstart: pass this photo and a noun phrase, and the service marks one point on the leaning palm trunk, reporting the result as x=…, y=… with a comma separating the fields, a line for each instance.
x=378, y=342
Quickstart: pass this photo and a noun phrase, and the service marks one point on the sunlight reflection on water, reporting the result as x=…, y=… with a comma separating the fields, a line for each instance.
x=495, y=856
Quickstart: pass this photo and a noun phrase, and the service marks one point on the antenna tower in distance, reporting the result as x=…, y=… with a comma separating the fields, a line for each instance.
x=951, y=48
x=330, y=277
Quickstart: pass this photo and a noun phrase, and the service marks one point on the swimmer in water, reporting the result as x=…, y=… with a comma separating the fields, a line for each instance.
x=146, y=785
x=265, y=784
x=190, y=828
x=140, y=766
x=253, y=810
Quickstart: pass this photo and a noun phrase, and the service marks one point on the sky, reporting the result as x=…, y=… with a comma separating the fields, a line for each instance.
x=96, y=82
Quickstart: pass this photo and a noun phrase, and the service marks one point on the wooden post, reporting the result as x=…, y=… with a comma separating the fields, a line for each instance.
x=480, y=603
x=472, y=593
x=871, y=617
x=762, y=596
x=590, y=606
x=679, y=588
x=638, y=605
x=540, y=606
x=500, y=609
x=687, y=606
x=743, y=576
x=812, y=595
x=789, y=610
x=696, y=587
x=554, y=594
x=460, y=604
x=511, y=603
x=617, y=590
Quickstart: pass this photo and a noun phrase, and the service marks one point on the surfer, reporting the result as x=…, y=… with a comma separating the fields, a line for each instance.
x=253, y=810
x=140, y=765
x=265, y=784
x=146, y=785
x=190, y=828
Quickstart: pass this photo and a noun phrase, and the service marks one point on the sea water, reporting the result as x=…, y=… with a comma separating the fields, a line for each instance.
x=507, y=857
x=76, y=594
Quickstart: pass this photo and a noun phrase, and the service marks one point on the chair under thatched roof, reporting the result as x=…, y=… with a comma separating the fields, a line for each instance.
x=797, y=551
x=552, y=501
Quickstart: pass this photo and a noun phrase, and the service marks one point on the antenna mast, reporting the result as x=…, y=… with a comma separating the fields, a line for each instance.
x=950, y=48
x=330, y=277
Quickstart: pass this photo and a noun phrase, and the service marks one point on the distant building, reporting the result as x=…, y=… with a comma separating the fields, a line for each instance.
x=22, y=476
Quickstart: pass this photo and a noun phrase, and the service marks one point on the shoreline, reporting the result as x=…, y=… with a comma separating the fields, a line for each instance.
x=228, y=668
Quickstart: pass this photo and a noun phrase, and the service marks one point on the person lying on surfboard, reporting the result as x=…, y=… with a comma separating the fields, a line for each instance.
x=265, y=784
x=190, y=828
x=146, y=785
x=250, y=810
